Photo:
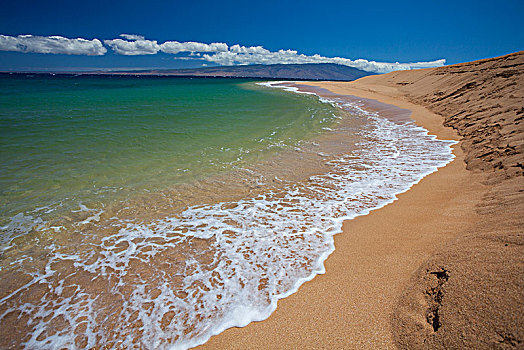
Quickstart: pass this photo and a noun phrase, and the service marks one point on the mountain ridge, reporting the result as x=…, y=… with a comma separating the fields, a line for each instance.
x=306, y=71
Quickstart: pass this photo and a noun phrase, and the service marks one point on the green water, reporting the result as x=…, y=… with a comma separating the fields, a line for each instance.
x=66, y=140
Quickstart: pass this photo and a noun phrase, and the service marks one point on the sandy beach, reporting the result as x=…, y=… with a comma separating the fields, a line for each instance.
x=443, y=266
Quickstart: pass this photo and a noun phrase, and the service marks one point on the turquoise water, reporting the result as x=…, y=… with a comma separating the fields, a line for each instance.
x=154, y=213
x=66, y=139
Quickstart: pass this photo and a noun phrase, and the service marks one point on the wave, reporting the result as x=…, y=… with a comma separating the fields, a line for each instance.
x=175, y=281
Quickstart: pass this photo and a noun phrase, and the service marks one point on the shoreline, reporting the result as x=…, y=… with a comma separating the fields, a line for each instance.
x=337, y=143
x=351, y=305
x=442, y=267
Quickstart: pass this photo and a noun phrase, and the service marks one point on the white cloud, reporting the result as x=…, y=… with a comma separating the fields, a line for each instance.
x=135, y=45
x=258, y=55
x=132, y=37
x=175, y=47
x=251, y=49
x=52, y=44
x=218, y=53
x=138, y=45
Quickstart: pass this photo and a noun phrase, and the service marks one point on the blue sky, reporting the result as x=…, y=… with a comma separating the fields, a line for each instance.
x=384, y=31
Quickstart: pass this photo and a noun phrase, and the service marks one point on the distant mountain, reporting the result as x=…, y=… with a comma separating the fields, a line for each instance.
x=309, y=71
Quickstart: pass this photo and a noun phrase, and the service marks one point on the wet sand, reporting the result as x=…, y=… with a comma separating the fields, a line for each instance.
x=442, y=266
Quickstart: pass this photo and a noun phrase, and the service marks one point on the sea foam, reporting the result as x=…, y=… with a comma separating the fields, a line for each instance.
x=174, y=282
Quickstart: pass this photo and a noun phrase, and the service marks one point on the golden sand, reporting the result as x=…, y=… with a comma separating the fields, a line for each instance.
x=442, y=267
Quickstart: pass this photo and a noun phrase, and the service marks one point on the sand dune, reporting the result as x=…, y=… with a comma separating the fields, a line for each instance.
x=442, y=267
x=477, y=298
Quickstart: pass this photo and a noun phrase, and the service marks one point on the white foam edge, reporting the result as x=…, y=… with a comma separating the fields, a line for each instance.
x=244, y=316
x=320, y=269
x=275, y=85
x=248, y=315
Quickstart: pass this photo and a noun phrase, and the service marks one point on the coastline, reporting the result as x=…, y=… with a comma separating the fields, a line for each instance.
x=390, y=162
x=350, y=305
x=442, y=266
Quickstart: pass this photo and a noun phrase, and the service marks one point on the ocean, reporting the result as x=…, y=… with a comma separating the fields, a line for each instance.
x=155, y=212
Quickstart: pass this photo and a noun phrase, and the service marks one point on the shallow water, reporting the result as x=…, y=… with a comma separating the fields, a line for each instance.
x=169, y=261
x=87, y=137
